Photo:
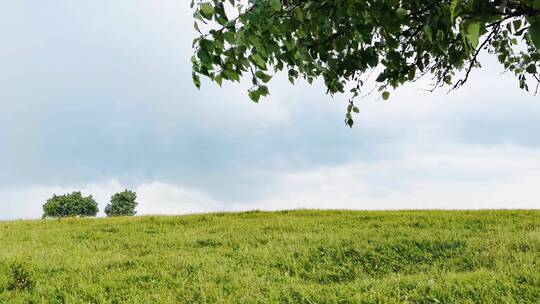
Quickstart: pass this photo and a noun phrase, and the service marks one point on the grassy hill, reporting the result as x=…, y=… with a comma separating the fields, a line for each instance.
x=282, y=257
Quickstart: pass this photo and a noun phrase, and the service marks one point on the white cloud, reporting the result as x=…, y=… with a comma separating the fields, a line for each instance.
x=163, y=198
x=463, y=178
x=466, y=178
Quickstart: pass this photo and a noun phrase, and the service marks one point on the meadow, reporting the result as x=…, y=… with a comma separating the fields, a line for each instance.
x=301, y=256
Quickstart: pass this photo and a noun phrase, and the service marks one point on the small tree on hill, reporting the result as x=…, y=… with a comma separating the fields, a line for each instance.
x=122, y=204
x=67, y=205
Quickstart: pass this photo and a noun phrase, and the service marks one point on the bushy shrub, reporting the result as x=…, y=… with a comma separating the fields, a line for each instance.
x=122, y=204
x=67, y=205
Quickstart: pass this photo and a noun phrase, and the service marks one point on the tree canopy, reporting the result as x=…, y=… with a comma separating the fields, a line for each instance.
x=345, y=42
x=122, y=204
x=68, y=205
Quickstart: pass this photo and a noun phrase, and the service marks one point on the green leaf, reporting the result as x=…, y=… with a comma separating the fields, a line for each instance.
x=263, y=90
x=385, y=95
x=255, y=95
x=472, y=30
x=298, y=14
x=259, y=60
x=428, y=32
x=196, y=80
x=207, y=10
x=195, y=41
x=263, y=76
x=275, y=5
x=232, y=75
x=401, y=12
x=453, y=7
x=229, y=37
x=218, y=79
x=204, y=57
x=534, y=31
x=517, y=25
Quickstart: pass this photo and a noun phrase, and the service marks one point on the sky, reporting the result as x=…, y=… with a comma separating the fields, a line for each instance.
x=97, y=96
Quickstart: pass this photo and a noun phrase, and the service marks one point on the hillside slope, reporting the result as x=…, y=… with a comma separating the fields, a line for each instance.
x=281, y=257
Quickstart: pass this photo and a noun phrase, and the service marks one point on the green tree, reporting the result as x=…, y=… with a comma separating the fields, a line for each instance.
x=345, y=41
x=68, y=205
x=122, y=204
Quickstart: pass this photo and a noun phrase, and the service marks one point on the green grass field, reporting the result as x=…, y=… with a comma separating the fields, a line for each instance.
x=282, y=257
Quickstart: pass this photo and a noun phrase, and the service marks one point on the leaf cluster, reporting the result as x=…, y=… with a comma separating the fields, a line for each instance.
x=344, y=42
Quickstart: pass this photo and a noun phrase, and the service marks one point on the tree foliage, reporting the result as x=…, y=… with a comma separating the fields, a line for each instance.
x=68, y=205
x=122, y=204
x=344, y=42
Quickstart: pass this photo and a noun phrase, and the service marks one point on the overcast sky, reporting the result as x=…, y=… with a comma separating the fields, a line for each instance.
x=97, y=96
